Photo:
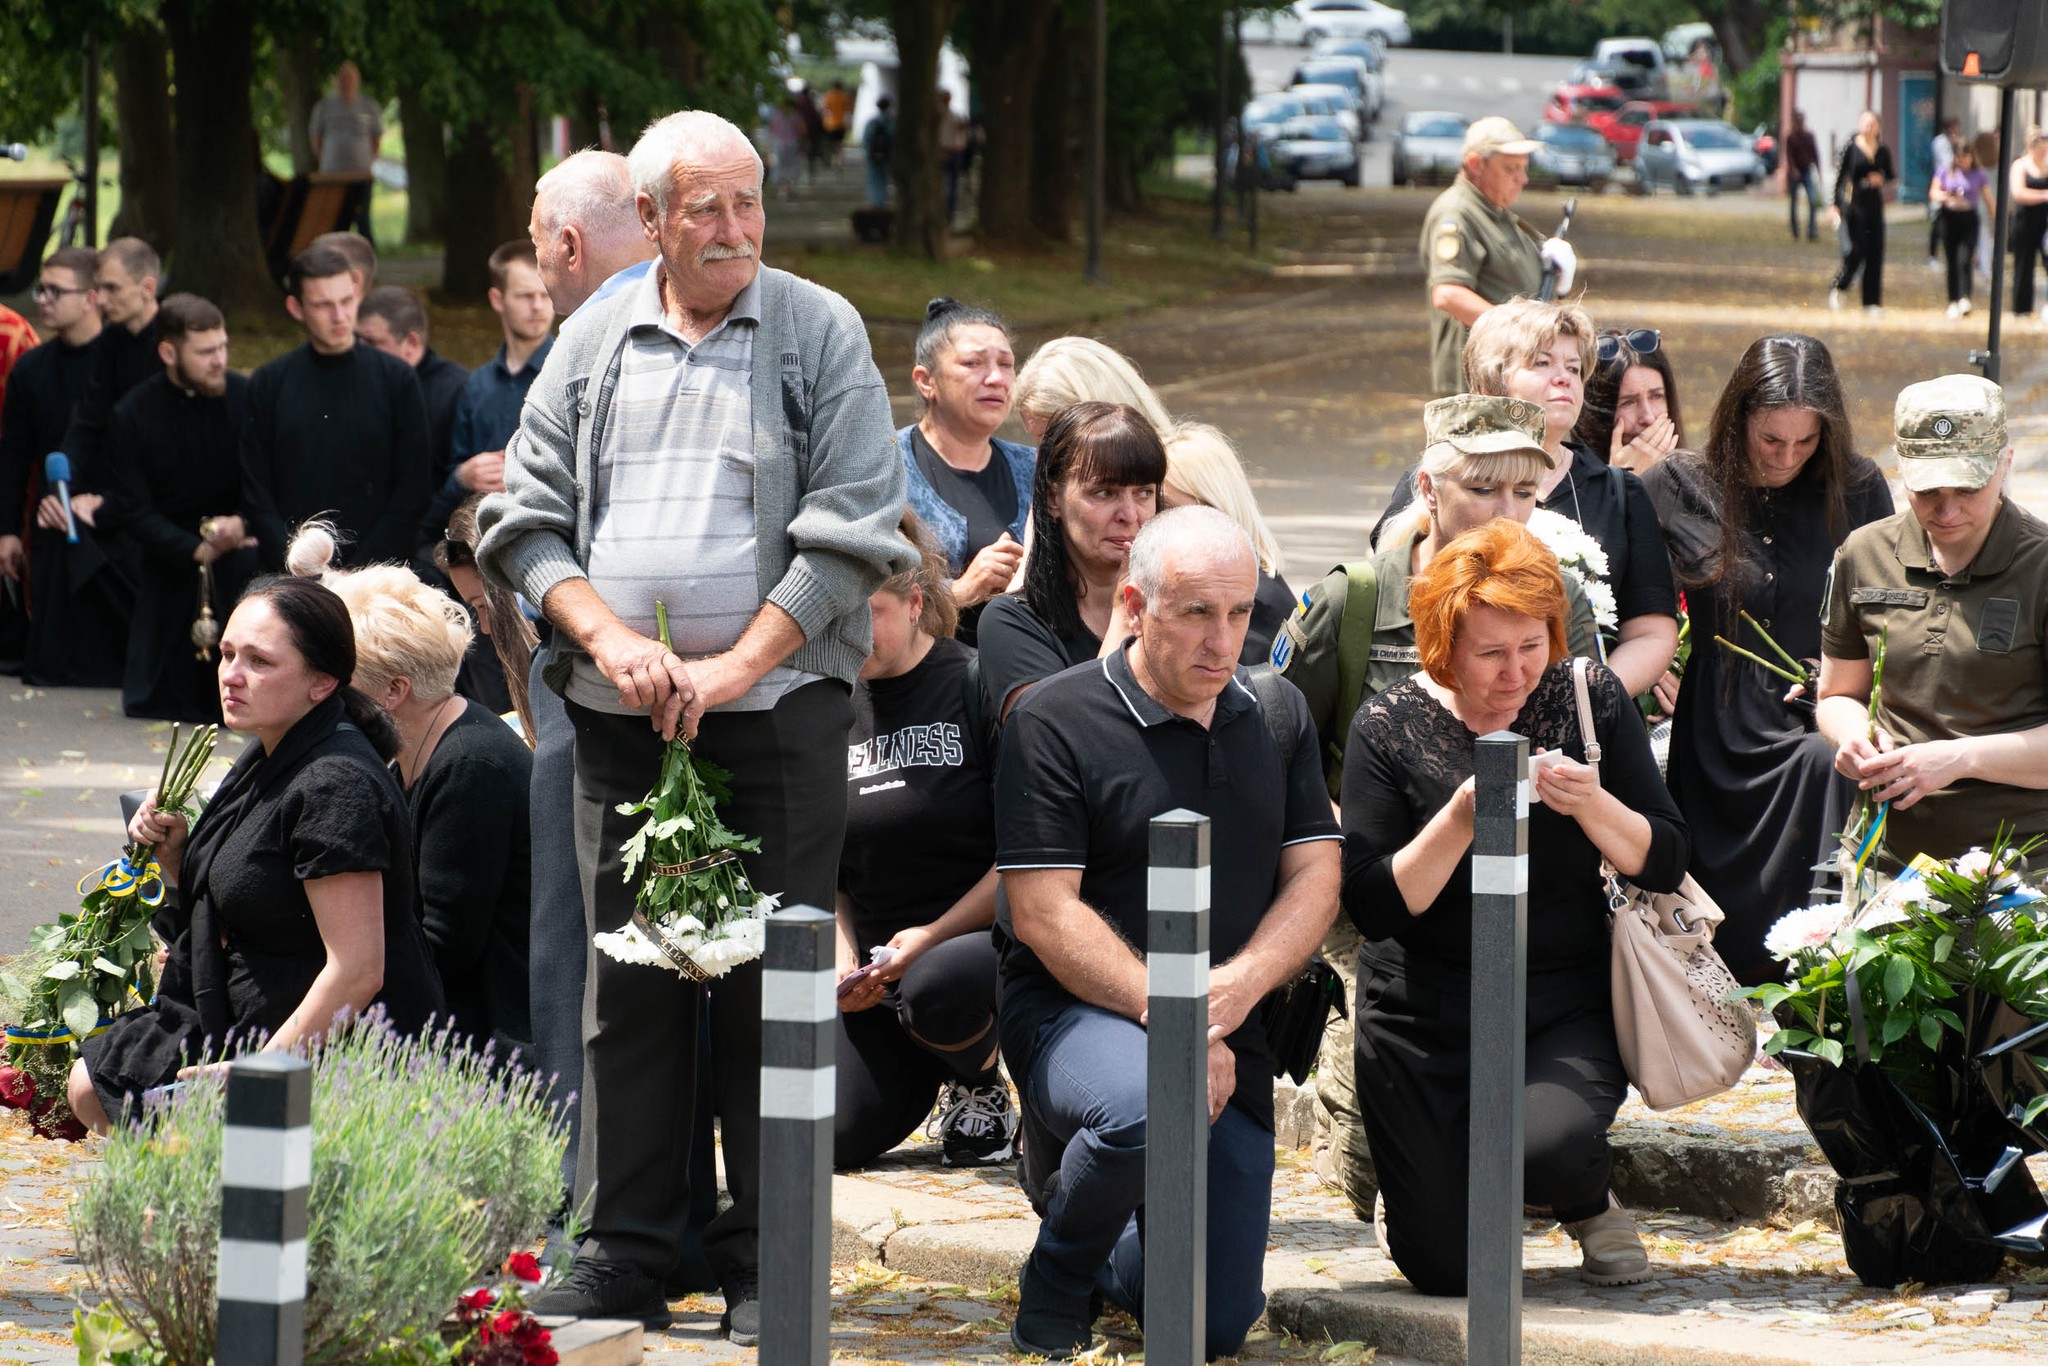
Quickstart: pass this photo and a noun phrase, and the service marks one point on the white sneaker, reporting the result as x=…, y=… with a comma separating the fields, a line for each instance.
x=1874, y=310
x=1955, y=309
x=1934, y=263
x=1835, y=299
x=1962, y=308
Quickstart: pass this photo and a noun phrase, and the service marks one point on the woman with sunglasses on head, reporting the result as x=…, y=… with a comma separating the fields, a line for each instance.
x=1630, y=417
x=1752, y=521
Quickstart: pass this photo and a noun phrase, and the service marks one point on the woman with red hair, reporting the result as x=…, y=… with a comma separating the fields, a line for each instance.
x=1489, y=616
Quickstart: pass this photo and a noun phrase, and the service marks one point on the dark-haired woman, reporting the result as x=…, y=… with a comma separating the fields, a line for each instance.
x=1097, y=483
x=1630, y=415
x=920, y=781
x=1752, y=522
x=969, y=489
x=294, y=892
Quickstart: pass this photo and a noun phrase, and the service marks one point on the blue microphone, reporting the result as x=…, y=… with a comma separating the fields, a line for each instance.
x=57, y=474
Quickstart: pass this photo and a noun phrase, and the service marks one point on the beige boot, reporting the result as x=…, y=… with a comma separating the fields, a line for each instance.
x=1612, y=1250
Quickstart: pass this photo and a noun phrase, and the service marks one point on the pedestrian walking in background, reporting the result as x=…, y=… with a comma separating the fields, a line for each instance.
x=878, y=141
x=786, y=143
x=346, y=129
x=1860, y=177
x=2028, y=185
x=953, y=148
x=1961, y=191
x=1802, y=173
x=1942, y=149
x=835, y=116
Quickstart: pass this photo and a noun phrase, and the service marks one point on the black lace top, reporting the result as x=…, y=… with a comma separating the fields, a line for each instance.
x=1407, y=754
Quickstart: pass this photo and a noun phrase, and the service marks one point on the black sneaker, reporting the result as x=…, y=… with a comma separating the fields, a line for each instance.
x=976, y=1125
x=1050, y=1323
x=605, y=1290
x=740, y=1324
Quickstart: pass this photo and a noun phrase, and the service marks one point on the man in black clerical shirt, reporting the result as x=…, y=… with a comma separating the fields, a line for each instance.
x=125, y=286
x=335, y=429
x=175, y=489
x=1089, y=757
x=77, y=599
x=393, y=320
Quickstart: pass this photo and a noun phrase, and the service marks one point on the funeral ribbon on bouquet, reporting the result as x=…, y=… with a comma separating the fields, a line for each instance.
x=95, y=962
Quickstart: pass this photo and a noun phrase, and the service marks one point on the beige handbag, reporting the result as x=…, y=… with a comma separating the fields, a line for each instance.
x=1681, y=1038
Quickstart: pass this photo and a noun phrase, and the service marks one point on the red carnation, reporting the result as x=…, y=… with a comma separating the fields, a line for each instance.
x=506, y=1324
x=17, y=1088
x=523, y=1266
x=480, y=1298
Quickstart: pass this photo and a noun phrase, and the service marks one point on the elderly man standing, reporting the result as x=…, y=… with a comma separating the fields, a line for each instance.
x=586, y=230
x=716, y=437
x=1089, y=757
x=1476, y=252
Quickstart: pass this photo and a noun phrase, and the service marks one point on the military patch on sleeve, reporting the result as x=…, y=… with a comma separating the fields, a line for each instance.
x=1285, y=639
x=1449, y=243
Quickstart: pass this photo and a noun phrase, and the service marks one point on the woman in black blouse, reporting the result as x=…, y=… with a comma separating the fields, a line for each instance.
x=1489, y=623
x=294, y=890
x=1097, y=483
x=917, y=878
x=466, y=776
x=1860, y=178
x=1753, y=521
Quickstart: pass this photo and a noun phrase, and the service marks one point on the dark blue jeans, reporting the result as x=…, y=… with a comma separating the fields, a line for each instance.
x=1087, y=1084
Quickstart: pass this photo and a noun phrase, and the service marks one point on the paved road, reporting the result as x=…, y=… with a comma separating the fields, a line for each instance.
x=1468, y=83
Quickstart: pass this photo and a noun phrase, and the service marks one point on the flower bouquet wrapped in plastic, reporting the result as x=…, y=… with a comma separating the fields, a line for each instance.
x=694, y=911
x=93, y=963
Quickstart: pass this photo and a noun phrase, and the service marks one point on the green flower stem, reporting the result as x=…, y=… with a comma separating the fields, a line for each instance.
x=1771, y=641
x=1754, y=658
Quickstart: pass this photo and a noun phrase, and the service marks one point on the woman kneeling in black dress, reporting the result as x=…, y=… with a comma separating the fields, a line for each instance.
x=1489, y=624
x=294, y=892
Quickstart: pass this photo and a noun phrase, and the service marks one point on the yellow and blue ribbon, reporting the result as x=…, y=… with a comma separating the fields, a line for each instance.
x=123, y=879
x=1871, y=837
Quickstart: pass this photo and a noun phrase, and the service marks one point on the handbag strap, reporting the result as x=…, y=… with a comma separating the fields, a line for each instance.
x=1587, y=735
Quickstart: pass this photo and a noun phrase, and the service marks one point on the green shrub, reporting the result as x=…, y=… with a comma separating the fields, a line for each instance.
x=430, y=1163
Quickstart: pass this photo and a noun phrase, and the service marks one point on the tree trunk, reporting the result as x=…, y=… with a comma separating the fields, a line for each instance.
x=298, y=80
x=220, y=256
x=142, y=109
x=494, y=205
x=917, y=167
x=1054, y=158
x=1011, y=42
x=426, y=168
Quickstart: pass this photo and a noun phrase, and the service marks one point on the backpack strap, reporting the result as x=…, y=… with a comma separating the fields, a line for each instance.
x=1271, y=689
x=1354, y=638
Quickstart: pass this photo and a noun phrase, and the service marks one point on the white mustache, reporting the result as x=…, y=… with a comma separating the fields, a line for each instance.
x=743, y=252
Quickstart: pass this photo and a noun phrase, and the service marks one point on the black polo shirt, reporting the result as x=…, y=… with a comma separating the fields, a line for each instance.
x=1088, y=759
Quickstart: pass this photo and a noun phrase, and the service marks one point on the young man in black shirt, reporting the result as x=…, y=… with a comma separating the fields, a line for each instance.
x=1089, y=757
x=335, y=429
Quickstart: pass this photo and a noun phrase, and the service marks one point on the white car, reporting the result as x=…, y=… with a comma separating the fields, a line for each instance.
x=1308, y=22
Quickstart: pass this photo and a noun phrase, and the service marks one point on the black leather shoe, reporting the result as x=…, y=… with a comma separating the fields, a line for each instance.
x=1050, y=1323
x=605, y=1290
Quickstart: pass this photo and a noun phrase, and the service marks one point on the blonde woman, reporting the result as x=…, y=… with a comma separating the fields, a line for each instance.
x=1202, y=469
x=1070, y=370
x=465, y=775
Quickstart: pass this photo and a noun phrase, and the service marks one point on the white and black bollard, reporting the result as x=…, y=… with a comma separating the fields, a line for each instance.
x=799, y=1024
x=266, y=1164
x=1500, y=996
x=1177, y=1091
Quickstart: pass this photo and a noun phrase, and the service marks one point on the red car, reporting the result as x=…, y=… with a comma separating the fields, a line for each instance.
x=1624, y=130
x=1592, y=105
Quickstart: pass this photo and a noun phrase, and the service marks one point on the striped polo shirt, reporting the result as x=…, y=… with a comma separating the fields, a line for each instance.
x=674, y=505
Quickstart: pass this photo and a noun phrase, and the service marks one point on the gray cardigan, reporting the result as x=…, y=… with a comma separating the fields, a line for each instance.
x=828, y=483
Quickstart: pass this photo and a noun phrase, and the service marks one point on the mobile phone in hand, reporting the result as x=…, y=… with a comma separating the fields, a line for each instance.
x=857, y=977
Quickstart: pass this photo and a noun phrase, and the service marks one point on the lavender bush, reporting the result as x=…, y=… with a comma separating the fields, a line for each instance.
x=430, y=1163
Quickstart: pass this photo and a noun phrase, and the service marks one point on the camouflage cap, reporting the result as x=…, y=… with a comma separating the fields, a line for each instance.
x=1949, y=432
x=1494, y=133
x=1482, y=424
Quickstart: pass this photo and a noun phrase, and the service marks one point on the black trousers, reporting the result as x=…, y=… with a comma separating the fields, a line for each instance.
x=1413, y=1053
x=936, y=1024
x=2026, y=254
x=1959, y=241
x=1866, y=254
x=641, y=1024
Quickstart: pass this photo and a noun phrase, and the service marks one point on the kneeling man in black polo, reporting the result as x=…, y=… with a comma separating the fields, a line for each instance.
x=1089, y=757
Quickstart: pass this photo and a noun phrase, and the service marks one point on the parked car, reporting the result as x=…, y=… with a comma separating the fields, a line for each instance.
x=1334, y=101
x=1307, y=22
x=1429, y=147
x=1267, y=112
x=1367, y=50
x=1593, y=105
x=1642, y=53
x=1624, y=132
x=1571, y=154
x=1679, y=42
x=1631, y=80
x=1697, y=154
x=1349, y=72
x=1316, y=149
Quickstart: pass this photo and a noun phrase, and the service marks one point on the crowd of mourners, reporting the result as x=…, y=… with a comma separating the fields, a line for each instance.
x=427, y=600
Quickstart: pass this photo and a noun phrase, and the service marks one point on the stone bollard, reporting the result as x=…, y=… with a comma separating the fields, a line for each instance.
x=1500, y=996
x=266, y=1164
x=1177, y=1091
x=799, y=1024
